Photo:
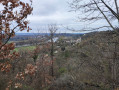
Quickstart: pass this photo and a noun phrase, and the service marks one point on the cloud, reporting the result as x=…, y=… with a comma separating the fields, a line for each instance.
x=44, y=7
x=57, y=17
x=53, y=11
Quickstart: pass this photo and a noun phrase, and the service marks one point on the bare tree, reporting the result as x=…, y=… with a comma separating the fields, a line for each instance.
x=52, y=29
x=38, y=37
x=95, y=10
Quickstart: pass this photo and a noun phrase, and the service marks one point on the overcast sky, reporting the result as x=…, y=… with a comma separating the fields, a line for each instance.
x=56, y=11
x=52, y=11
x=47, y=12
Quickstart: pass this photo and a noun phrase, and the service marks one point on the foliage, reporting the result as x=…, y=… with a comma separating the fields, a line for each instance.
x=10, y=15
x=12, y=18
x=62, y=70
x=66, y=54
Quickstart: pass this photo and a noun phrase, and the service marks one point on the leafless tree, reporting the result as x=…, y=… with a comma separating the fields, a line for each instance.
x=52, y=29
x=96, y=10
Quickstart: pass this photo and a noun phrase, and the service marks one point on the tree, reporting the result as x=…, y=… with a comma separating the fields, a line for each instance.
x=52, y=29
x=13, y=14
x=95, y=10
x=12, y=18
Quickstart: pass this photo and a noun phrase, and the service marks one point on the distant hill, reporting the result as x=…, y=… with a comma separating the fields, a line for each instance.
x=26, y=36
x=65, y=34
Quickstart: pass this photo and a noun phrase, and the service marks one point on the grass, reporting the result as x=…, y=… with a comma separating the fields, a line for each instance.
x=25, y=48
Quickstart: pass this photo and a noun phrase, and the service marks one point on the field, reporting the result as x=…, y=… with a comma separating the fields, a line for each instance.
x=30, y=48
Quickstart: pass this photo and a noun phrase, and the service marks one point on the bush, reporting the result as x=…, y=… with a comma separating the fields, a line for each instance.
x=62, y=70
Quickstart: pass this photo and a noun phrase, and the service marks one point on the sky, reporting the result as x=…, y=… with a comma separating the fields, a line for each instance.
x=47, y=12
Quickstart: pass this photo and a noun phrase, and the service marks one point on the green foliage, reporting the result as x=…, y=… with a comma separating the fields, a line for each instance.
x=62, y=70
x=24, y=88
x=27, y=88
x=67, y=54
x=46, y=88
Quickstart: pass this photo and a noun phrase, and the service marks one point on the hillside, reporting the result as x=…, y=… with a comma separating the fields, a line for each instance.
x=91, y=64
